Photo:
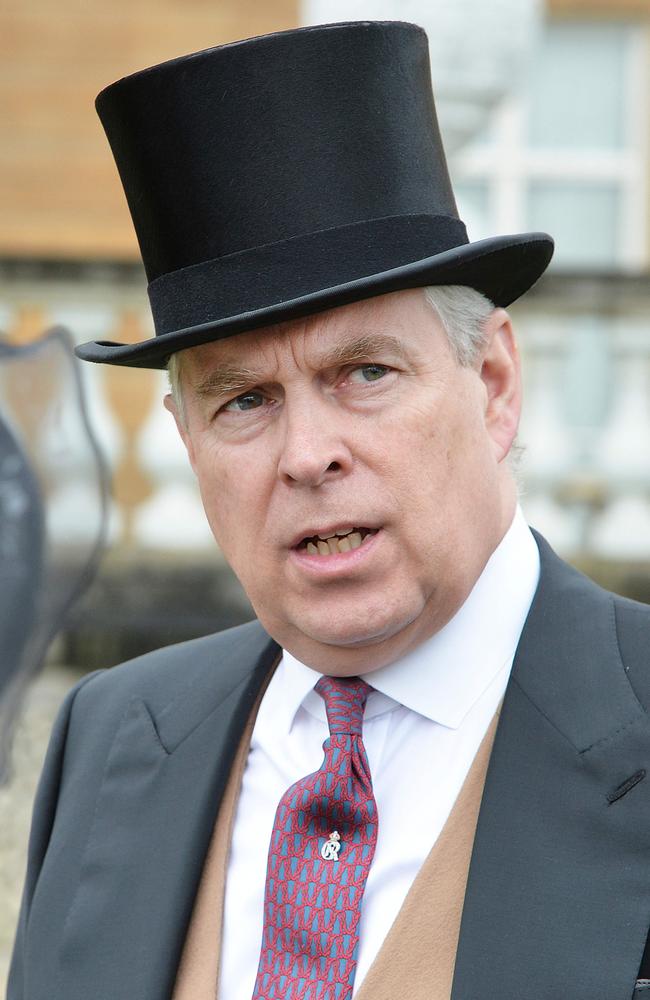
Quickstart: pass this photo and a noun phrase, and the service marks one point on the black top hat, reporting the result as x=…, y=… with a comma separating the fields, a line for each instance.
x=287, y=174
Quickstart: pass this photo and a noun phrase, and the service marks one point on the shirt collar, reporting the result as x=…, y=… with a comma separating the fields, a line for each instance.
x=446, y=674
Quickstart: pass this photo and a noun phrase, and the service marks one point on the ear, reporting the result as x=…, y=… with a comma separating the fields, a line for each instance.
x=501, y=376
x=170, y=404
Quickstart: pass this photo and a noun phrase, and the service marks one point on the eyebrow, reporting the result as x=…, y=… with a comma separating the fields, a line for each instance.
x=229, y=378
x=224, y=381
x=361, y=349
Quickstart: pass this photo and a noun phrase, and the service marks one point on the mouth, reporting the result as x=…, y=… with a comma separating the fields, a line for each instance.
x=334, y=543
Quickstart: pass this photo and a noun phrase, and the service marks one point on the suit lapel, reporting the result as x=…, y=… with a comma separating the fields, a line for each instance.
x=558, y=895
x=162, y=786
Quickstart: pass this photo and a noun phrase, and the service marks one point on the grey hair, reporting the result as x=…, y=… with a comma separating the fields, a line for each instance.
x=174, y=376
x=462, y=311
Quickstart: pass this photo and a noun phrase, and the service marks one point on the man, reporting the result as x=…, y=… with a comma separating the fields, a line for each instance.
x=346, y=382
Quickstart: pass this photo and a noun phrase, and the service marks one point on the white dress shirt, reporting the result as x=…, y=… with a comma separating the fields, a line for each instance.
x=422, y=727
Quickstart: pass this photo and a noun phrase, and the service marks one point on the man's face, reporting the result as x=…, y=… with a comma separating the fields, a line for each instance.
x=357, y=423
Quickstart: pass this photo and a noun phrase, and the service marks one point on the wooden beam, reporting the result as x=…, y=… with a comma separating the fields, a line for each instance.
x=599, y=8
x=59, y=191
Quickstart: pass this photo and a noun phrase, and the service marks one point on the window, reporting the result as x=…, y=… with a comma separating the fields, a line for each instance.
x=568, y=153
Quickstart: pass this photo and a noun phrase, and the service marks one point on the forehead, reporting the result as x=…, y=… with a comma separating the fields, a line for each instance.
x=402, y=322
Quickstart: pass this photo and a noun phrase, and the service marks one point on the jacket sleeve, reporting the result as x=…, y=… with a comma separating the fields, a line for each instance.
x=43, y=815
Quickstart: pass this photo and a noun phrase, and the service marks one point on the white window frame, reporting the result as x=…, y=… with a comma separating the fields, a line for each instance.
x=508, y=163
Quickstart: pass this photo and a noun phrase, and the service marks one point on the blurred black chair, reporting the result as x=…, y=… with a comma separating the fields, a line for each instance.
x=53, y=505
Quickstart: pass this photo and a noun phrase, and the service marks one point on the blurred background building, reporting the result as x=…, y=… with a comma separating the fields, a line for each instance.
x=546, y=114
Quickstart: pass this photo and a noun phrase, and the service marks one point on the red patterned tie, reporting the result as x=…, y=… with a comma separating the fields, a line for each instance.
x=322, y=845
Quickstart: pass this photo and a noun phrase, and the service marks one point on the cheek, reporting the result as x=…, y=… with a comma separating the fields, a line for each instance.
x=233, y=498
x=443, y=464
x=218, y=489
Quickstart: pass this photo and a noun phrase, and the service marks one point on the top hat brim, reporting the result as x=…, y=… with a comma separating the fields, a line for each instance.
x=502, y=268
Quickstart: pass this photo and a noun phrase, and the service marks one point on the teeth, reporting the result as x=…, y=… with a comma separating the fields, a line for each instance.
x=333, y=544
x=336, y=534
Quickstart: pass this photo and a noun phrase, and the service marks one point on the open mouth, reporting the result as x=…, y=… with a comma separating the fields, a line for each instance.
x=331, y=545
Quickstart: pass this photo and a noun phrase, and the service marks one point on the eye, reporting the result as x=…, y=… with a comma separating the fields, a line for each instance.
x=368, y=373
x=247, y=401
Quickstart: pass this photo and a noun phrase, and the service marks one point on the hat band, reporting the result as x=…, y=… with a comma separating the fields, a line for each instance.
x=301, y=265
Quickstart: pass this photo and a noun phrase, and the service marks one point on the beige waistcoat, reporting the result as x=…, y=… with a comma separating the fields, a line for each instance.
x=417, y=957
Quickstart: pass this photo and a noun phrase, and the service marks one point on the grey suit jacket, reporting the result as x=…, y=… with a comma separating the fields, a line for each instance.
x=558, y=898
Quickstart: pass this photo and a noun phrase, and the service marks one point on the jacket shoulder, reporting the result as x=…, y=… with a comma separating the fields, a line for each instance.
x=632, y=621
x=582, y=657
x=160, y=676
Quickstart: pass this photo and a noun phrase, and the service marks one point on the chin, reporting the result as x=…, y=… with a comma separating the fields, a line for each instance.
x=353, y=631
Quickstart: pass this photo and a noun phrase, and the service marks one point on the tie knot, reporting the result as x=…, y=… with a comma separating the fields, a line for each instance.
x=345, y=698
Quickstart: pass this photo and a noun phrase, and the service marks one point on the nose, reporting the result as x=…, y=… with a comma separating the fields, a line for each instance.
x=313, y=450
